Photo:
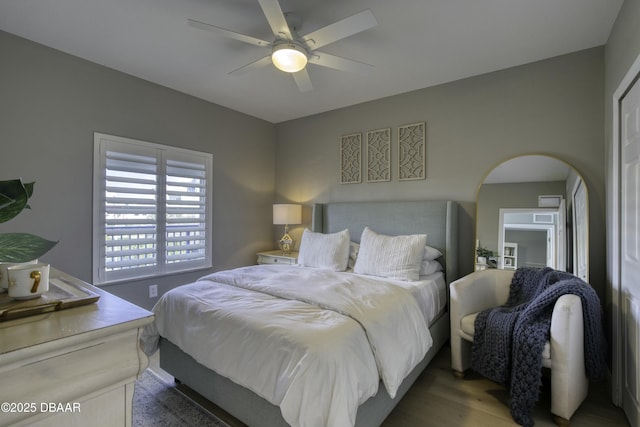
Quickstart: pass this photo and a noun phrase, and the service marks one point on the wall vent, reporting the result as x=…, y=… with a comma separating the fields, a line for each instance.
x=549, y=201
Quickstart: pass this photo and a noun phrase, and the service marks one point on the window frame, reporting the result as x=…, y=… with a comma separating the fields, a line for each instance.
x=164, y=155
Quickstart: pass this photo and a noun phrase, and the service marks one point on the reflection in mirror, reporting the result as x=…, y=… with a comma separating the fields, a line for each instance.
x=532, y=211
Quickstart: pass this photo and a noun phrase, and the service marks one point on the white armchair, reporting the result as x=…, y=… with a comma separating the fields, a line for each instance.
x=563, y=354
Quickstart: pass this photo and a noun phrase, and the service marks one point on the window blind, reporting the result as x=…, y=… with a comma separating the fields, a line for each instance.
x=151, y=208
x=185, y=216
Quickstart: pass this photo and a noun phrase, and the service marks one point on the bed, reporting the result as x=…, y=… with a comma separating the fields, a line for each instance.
x=251, y=404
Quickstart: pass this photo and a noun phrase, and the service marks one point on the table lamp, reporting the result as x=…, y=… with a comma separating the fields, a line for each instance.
x=286, y=214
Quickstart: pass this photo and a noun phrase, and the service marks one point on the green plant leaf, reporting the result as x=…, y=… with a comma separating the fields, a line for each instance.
x=29, y=188
x=14, y=198
x=23, y=247
x=5, y=201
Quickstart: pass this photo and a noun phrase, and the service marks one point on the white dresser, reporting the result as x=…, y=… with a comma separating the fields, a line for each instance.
x=74, y=367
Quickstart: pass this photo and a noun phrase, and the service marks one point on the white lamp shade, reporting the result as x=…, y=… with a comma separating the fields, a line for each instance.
x=289, y=58
x=287, y=214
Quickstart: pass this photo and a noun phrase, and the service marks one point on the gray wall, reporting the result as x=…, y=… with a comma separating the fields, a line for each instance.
x=553, y=107
x=50, y=105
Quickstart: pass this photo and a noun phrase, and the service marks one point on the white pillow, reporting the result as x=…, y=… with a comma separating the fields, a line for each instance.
x=429, y=264
x=431, y=253
x=395, y=257
x=429, y=267
x=327, y=251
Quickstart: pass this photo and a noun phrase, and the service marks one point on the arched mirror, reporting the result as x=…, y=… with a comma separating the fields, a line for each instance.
x=532, y=210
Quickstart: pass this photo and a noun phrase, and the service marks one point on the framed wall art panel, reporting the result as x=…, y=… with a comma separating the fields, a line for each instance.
x=351, y=158
x=379, y=155
x=412, y=151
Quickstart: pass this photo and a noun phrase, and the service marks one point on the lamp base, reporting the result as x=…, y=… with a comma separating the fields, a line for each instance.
x=286, y=243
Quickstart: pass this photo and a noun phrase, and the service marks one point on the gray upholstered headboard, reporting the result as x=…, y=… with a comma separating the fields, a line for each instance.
x=437, y=218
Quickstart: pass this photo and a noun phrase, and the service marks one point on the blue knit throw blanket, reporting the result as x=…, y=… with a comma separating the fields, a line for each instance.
x=508, y=340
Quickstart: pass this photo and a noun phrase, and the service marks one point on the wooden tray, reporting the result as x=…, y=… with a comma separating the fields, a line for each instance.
x=62, y=294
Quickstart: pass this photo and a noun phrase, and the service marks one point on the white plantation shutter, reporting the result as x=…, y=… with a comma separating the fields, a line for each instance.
x=152, y=209
x=185, y=216
x=131, y=210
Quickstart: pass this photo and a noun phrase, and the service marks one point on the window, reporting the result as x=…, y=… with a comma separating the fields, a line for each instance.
x=152, y=209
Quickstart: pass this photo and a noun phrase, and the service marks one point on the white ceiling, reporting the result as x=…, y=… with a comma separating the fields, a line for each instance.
x=416, y=44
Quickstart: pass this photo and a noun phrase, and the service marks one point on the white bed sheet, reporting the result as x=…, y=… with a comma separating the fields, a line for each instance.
x=226, y=322
x=431, y=293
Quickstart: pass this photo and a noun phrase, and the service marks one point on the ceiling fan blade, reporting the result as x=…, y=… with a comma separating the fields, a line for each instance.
x=338, y=63
x=302, y=80
x=338, y=30
x=276, y=19
x=228, y=33
x=252, y=66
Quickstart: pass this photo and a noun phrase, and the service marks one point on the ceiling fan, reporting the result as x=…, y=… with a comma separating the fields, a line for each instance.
x=290, y=52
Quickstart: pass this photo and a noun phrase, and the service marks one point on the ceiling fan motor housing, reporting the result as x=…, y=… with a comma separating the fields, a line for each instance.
x=289, y=56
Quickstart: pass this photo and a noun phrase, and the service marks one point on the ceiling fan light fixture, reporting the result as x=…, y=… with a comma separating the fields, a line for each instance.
x=289, y=57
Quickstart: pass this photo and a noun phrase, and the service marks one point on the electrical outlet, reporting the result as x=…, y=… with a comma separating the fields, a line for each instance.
x=153, y=291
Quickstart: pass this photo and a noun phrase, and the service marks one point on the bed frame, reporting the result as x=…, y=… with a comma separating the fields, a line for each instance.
x=439, y=219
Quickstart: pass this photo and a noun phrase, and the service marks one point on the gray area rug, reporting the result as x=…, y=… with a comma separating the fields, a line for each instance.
x=156, y=403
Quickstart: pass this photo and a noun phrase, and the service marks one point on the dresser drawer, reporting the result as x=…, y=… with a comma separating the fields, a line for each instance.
x=276, y=257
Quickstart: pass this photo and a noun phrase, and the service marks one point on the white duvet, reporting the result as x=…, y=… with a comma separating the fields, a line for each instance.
x=314, y=342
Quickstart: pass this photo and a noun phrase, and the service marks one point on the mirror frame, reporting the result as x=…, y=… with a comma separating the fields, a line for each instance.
x=569, y=194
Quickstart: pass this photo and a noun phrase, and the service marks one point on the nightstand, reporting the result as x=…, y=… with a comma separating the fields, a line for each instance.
x=276, y=257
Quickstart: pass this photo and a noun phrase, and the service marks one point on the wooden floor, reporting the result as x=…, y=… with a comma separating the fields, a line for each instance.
x=438, y=399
